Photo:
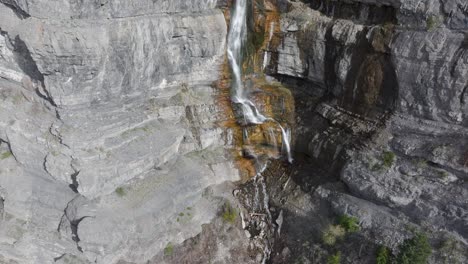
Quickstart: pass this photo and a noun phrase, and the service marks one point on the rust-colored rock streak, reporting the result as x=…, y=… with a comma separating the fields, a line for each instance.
x=272, y=99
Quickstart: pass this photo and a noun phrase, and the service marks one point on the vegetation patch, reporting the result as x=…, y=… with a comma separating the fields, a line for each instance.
x=452, y=252
x=334, y=259
x=6, y=155
x=169, y=249
x=383, y=255
x=388, y=159
x=332, y=234
x=415, y=250
x=432, y=22
x=349, y=223
x=120, y=191
x=229, y=213
x=185, y=216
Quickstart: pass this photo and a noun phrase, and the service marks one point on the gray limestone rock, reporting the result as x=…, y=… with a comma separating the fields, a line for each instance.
x=108, y=128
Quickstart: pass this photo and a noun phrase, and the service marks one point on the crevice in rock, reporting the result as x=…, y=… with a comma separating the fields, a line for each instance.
x=2, y=205
x=9, y=148
x=44, y=165
x=19, y=12
x=74, y=185
x=27, y=64
x=70, y=220
x=74, y=228
x=25, y=61
x=458, y=55
x=463, y=95
x=57, y=134
x=59, y=257
x=46, y=96
x=29, y=67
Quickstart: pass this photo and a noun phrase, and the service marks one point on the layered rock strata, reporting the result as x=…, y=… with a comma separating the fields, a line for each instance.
x=110, y=149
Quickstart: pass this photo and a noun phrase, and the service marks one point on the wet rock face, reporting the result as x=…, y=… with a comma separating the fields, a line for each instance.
x=380, y=102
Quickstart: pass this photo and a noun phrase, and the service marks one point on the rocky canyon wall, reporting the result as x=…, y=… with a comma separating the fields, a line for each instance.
x=119, y=144
x=109, y=145
x=380, y=90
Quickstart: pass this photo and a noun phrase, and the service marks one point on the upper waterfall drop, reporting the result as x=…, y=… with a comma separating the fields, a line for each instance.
x=236, y=40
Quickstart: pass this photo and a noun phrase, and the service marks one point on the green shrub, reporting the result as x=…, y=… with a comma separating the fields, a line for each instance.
x=388, y=158
x=349, y=223
x=383, y=255
x=334, y=259
x=120, y=191
x=229, y=213
x=415, y=250
x=169, y=249
x=332, y=234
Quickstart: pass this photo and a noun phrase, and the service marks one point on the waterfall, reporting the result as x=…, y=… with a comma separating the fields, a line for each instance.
x=251, y=114
x=236, y=39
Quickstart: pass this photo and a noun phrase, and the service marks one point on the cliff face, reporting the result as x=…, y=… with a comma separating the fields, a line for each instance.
x=107, y=128
x=381, y=103
x=114, y=146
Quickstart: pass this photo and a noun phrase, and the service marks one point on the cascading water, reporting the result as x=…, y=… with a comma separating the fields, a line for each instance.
x=236, y=39
x=251, y=115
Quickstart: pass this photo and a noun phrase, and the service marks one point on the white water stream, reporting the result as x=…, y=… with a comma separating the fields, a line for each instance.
x=240, y=95
x=236, y=39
